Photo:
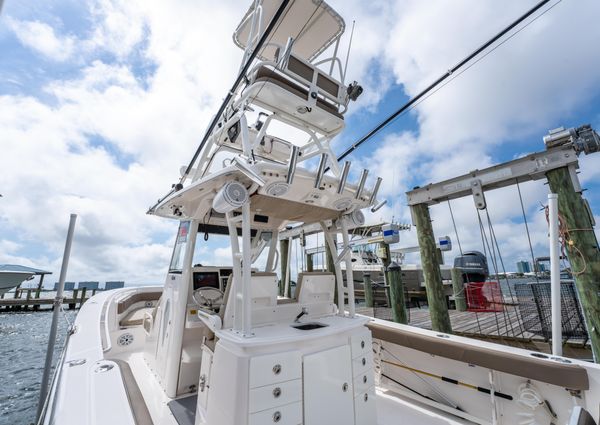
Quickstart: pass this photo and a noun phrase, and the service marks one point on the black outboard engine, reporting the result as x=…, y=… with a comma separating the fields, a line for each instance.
x=473, y=266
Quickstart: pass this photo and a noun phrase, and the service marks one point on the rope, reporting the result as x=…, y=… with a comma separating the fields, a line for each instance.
x=564, y=238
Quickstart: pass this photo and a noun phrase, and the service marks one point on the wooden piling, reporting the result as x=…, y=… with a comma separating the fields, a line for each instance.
x=37, y=295
x=74, y=303
x=82, y=300
x=26, y=306
x=368, y=289
x=458, y=288
x=309, y=263
x=582, y=250
x=438, y=308
x=284, y=246
x=397, y=294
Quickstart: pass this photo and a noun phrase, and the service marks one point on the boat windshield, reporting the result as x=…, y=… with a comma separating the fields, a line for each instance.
x=176, y=265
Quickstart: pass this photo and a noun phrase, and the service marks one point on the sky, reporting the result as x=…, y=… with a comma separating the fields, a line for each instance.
x=102, y=102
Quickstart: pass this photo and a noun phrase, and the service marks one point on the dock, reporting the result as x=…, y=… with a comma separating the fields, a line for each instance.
x=34, y=299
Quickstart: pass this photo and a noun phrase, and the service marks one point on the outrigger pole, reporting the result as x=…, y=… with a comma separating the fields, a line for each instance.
x=441, y=79
x=241, y=76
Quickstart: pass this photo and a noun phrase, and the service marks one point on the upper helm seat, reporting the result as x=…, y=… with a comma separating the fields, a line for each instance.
x=274, y=91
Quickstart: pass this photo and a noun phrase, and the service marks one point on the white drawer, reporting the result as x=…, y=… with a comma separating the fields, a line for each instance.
x=364, y=408
x=361, y=343
x=363, y=382
x=267, y=397
x=290, y=414
x=362, y=364
x=273, y=368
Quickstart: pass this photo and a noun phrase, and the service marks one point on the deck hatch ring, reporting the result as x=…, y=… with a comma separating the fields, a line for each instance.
x=277, y=369
x=76, y=362
x=366, y=397
x=104, y=368
x=276, y=392
x=345, y=387
x=364, y=361
x=365, y=379
x=362, y=344
x=277, y=416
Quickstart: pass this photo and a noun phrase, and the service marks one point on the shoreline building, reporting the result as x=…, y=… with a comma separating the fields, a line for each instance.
x=523, y=266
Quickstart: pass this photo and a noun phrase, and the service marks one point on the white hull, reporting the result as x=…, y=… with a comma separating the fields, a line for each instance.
x=10, y=280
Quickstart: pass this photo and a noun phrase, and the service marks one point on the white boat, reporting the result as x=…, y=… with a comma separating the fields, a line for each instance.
x=220, y=346
x=12, y=276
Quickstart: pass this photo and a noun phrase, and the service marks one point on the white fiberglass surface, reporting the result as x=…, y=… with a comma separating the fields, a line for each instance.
x=393, y=409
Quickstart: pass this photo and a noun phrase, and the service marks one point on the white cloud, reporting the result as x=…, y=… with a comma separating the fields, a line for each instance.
x=150, y=121
x=42, y=38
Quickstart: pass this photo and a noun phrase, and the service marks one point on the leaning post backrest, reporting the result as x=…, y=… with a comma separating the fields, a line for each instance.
x=315, y=287
x=264, y=289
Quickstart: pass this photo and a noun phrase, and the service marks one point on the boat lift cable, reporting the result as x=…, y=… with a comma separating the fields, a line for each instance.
x=537, y=279
x=486, y=243
x=512, y=298
x=422, y=95
x=241, y=76
x=455, y=230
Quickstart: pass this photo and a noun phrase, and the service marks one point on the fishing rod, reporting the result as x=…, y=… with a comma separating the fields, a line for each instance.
x=241, y=76
x=441, y=79
x=451, y=380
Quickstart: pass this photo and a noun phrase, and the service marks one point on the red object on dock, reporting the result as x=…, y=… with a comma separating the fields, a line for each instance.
x=484, y=296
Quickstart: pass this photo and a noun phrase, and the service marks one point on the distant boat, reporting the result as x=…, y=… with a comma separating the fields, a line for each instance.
x=12, y=275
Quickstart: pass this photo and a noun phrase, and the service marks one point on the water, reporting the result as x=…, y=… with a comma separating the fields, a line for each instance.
x=23, y=341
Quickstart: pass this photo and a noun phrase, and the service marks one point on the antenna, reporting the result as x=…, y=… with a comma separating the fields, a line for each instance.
x=347, y=54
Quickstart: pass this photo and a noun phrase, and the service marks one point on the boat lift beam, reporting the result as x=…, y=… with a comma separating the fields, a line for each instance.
x=562, y=149
x=531, y=167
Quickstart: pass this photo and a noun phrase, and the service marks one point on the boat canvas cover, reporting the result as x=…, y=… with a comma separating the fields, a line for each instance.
x=313, y=24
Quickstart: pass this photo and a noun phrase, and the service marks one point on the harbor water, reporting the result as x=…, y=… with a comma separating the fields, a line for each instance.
x=23, y=341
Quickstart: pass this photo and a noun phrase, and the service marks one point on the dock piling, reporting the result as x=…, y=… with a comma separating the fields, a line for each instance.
x=582, y=249
x=438, y=308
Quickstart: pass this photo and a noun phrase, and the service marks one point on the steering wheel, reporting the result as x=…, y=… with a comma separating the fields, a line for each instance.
x=208, y=297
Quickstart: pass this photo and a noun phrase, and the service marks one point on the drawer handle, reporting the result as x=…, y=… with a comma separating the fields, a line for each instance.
x=365, y=379
x=276, y=392
x=277, y=369
x=366, y=397
x=364, y=361
x=345, y=387
x=277, y=416
x=362, y=344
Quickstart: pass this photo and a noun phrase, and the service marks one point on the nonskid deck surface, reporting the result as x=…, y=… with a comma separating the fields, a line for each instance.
x=182, y=411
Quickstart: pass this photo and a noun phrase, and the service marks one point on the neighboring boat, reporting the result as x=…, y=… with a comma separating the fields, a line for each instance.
x=220, y=346
x=12, y=275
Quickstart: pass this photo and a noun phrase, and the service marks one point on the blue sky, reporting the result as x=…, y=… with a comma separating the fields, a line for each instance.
x=104, y=100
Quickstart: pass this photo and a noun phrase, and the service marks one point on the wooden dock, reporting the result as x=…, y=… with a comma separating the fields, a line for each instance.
x=503, y=327
x=34, y=299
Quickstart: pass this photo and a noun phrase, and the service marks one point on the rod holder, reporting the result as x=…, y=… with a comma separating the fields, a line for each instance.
x=321, y=170
x=375, y=190
x=292, y=165
x=361, y=183
x=379, y=206
x=344, y=177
